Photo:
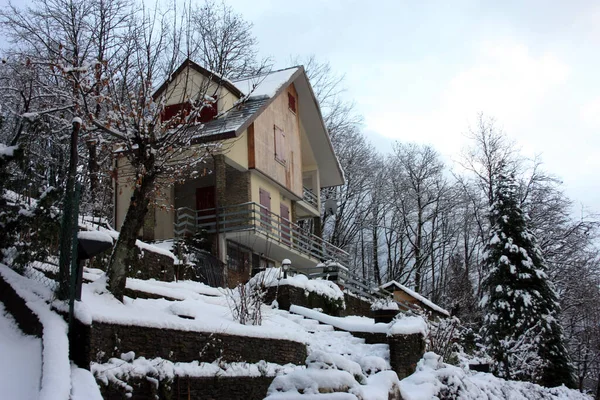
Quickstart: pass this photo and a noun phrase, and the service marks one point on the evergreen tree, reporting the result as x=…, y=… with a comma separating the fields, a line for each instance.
x=459, y=297
x=521, y=327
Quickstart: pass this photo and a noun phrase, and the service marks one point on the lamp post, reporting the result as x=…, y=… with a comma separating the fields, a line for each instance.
x=285, y=264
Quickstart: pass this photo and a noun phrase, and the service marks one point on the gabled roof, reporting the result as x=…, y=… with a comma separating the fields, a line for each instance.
x=215, y=77
x=255, y=94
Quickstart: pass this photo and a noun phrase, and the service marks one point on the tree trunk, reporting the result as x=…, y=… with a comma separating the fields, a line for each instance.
x=123, y=254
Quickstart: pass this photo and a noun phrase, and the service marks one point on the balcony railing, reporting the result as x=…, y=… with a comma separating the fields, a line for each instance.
x=309, y=197
x=253, y=216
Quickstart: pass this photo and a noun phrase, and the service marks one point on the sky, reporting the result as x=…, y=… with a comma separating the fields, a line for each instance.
x=421, y=71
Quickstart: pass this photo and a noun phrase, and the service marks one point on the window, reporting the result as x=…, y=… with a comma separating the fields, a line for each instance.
x=280, y=145
x=291, y=102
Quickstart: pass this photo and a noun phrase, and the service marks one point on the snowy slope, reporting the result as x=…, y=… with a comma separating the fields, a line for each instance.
x=20, y=360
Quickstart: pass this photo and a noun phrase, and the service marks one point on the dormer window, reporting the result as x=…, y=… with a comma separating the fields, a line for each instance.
x=291, y=102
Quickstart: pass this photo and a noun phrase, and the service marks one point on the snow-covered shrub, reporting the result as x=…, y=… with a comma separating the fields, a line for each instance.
x=29, y=228
x=443, y=338
x=322, y=360
x=385, y=304
x=245, y=300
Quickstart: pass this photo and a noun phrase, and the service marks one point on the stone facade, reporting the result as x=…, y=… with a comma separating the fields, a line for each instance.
x=101, y=341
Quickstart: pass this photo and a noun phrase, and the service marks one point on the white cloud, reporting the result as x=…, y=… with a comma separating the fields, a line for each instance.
x=590, y=113
x=505, y=80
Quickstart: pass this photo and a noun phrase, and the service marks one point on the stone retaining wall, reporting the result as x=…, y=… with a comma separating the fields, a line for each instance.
x=288, y=295
x=28, y=322
x=101, y=341
x=184, y=388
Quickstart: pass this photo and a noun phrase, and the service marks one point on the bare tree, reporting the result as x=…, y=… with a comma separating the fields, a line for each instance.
x=490, y=151
x=222, y=41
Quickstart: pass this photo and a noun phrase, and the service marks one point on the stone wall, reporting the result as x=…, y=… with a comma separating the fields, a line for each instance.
x=101, y=341
x=184, y=388
x=28, y=322
x=405, y=352
x=290, y=295
x=356, y=306
x=151, y=265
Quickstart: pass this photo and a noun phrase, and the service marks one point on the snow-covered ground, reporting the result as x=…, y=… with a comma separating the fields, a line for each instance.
x=337, y=362
x=20, y=361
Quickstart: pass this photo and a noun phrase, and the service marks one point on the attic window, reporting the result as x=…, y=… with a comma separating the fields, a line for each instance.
x=280, y=145
x=291, y=102
x=182, y=110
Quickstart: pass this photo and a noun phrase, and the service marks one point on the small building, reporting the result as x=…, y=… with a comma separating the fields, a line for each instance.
x=409, y=297
x=252, y=195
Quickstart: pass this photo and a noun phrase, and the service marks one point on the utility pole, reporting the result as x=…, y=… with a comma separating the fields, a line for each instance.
x=68, y=231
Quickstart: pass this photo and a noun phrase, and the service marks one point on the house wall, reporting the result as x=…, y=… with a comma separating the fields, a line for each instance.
x=236, y=150
x=124, y=190
x=190, y=82
x=164, y=215
x=258, y=182
x=289, y=174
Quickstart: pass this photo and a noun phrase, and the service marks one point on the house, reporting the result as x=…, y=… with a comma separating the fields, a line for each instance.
x=253, y=195
x=404, y=295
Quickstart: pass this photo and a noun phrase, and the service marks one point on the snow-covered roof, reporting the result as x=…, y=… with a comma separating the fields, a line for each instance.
x=417, y=296
x=255, y=94
x=265, y=84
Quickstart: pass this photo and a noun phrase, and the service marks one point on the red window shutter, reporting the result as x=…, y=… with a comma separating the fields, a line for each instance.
x=208, y=113
x=182, y=110
x=291, y=102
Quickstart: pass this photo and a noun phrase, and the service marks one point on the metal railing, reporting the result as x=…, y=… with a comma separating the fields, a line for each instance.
x=309, y=197
x=253, y=216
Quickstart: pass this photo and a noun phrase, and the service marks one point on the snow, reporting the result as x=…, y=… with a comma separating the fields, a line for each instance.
x=21, y=360
x=7, y=150
x=120, y=370
x=84, y=385
x=265, y=85
x=77, y=120
x=387, y=304
x=115, y=236
x=435, y=379
x=417, y=296
x=403, y=324
x=272, y=277
x=212, y=311
x=56, y=368
x=97, y=236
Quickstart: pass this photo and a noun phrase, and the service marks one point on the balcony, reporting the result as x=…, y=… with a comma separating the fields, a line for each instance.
x=263, y=231
x=309, y=197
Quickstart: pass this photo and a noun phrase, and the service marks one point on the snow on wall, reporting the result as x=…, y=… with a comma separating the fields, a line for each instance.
x=403, y=324
x=417, y=296
x=273, y=277
x=56, y=367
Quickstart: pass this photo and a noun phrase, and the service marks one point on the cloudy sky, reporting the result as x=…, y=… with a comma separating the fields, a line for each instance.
x=421, y=71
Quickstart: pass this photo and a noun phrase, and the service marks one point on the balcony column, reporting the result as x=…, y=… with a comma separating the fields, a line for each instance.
x=220, y=169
